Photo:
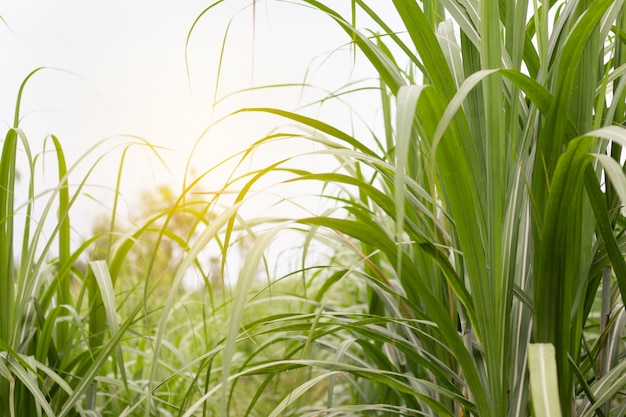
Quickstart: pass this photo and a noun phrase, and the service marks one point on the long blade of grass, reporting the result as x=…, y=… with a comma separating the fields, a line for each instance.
x=7, y=207
x=105, y=285
x=29, y=380
x=63, y=281
x=240, y=298
x=407, y=99
x=543, y=380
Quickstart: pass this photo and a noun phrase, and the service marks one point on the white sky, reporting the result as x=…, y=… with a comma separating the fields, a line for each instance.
x=130, y=55
x=124, y=72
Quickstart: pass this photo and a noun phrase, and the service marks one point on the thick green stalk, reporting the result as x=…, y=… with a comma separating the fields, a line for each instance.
x=492, y=287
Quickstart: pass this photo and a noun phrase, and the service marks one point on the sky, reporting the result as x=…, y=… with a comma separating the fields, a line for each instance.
x=122, y=68
x=123, y=71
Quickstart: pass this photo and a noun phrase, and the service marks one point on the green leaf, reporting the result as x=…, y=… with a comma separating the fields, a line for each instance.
x=543, y=380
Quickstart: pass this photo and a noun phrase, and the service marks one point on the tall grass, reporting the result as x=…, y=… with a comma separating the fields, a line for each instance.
x=488, y=219
x=474, y=247
x=78, y=319
x=50, y=357
x=98, y=323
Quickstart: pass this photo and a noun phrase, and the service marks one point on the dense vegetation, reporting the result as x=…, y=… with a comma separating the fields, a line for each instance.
x=478, y=236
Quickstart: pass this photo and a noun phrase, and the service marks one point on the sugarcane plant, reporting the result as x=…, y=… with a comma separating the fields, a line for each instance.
x=485, y=222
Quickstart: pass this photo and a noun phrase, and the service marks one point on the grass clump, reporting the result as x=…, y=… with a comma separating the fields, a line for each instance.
x=473, y=248
x=79, y=319
x=485, y=217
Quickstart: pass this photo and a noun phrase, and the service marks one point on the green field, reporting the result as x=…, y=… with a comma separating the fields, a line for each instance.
x=461, y=255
